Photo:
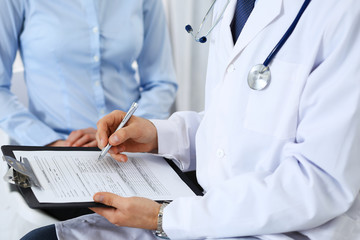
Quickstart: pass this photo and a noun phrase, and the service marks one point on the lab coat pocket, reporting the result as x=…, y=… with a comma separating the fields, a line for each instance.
x=274, y=110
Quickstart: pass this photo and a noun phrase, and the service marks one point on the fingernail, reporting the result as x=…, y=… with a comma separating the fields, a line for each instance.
x=99, y=198
x=115, y=139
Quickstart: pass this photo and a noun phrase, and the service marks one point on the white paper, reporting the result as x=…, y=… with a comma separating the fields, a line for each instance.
x=75, y=176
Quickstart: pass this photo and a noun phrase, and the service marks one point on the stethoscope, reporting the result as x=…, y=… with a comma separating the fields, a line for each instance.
x=259, y=75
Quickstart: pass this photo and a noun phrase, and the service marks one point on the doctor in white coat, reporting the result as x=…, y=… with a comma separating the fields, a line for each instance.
x=278, y=163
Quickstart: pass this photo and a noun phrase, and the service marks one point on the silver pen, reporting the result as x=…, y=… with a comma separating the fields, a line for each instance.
x=123, y=122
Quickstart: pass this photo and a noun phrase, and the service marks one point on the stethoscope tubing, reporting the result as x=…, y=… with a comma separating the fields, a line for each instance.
x=259, y=76
x=286, y=35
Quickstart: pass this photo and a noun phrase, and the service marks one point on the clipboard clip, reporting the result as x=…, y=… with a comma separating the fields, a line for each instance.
x=20, y=173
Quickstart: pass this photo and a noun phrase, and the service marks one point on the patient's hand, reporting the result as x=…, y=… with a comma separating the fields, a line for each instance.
x=59, y=143
x=82, y=138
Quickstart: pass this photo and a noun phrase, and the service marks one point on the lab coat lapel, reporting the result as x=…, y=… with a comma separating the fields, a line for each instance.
x=225, y=31
x=264, y=13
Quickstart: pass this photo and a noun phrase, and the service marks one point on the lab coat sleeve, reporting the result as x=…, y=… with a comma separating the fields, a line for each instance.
x=176, y=138
x=317, y=176
x=15, y=119
x=156, y=71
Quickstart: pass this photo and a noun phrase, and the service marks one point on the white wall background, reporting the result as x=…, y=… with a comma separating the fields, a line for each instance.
x=190, y=57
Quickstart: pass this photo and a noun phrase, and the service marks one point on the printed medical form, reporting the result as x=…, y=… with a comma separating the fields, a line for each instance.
x=75, y=176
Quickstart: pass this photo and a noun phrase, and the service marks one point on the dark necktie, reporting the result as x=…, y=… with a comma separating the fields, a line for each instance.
x=242, y=13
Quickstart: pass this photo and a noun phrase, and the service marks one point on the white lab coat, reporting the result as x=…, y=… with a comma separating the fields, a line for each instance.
x=283, y=159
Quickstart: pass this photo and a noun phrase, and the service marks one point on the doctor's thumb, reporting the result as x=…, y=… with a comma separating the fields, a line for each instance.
x=106, y=198
x=121, y=135
x=114, y=139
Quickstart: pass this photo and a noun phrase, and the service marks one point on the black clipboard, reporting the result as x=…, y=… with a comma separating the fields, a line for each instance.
x=28, y=195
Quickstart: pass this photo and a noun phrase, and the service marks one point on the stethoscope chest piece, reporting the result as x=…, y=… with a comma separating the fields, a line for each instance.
x=259, y=77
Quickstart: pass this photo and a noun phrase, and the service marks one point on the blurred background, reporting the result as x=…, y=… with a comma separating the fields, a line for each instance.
x=190, y=59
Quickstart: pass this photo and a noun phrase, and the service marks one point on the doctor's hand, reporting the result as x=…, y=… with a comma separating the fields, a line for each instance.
x=82, y=138
x=133, y=212
x=138, y=135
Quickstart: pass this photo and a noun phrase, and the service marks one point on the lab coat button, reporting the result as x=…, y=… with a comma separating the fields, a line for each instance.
x=220, y=153
x=95, y=30
x=231, y=68
x=96, y=58
x=97, y=83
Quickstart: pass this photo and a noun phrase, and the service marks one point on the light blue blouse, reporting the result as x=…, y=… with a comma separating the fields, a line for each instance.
x=79, y=59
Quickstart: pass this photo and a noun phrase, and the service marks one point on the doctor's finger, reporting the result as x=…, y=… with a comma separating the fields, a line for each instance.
x=119, y=157
x=138, y=135
x=106, y=126
x=121, y=135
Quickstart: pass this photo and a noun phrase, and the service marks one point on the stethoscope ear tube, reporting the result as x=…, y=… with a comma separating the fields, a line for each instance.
x=203, y=39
